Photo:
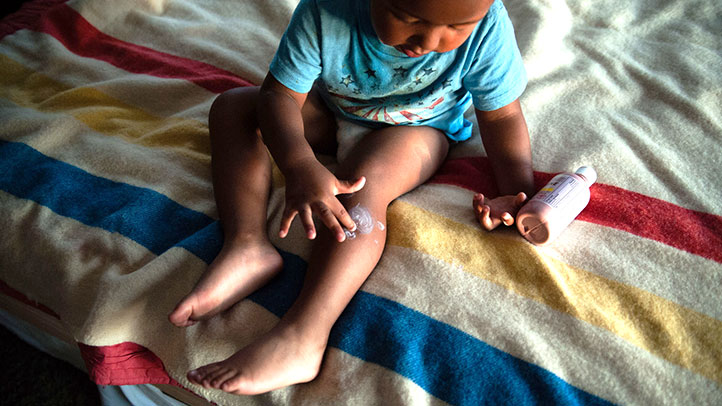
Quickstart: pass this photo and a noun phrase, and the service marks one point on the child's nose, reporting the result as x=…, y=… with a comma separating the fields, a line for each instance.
x=430, y=38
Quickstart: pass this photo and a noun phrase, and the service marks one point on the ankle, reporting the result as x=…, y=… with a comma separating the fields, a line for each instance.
x=310, y=336
x=244, y=239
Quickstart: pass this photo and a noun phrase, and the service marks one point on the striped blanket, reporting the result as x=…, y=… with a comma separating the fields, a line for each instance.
x=108, y=218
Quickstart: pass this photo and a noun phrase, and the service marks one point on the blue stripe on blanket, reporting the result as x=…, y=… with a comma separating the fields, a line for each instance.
x=441, y=359
x=134, y=212
x=445, y=361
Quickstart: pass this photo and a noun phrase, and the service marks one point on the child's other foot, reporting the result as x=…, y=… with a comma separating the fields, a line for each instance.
x=236, y=272
x=280, y=358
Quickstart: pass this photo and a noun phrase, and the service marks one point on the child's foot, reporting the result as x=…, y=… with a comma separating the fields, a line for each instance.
x=236, y=272
x=280, y=358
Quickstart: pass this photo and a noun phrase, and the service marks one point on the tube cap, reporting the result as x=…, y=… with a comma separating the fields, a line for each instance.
x=588, y=173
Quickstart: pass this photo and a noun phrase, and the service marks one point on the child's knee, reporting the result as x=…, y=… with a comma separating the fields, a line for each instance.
x=232, y=111
x=238, y=102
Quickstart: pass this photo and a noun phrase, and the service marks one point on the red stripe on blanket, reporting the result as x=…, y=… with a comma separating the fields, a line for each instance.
x=689, y=230
x=81, y=38
x=124, y=364
x=8, y=291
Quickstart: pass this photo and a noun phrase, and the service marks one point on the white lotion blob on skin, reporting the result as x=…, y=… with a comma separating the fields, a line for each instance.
x=364, y=222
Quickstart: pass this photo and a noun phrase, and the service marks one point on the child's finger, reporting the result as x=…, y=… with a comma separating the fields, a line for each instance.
x=507, y=219
x=307, y=220
x=288, y=215
x=477, y=209
x=486, y=220
x=342, y=216
x=328, y=217
x=347, y=187
x=520, y=199
x=477, y=203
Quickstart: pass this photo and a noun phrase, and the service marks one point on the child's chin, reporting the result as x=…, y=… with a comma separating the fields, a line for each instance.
x=408, y=52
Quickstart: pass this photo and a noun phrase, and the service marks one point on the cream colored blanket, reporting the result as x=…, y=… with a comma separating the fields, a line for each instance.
x=108, y=218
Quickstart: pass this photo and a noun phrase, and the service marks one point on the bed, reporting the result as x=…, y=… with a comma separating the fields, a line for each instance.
x=108, y=218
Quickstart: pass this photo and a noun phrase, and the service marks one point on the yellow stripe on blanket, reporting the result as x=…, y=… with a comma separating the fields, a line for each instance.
x=664, y=328
x=102, y=112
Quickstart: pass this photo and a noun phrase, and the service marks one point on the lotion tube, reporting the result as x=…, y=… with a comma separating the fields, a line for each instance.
x=555, y=206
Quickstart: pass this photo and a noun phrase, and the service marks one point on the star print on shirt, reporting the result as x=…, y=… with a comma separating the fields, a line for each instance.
x=409, y=93
x=400, y=71
x=347, y=80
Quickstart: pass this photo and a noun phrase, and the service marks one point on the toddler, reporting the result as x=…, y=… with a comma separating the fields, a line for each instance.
x=386, y=82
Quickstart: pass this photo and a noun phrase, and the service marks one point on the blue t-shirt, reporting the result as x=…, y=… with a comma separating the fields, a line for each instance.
x=373, y=84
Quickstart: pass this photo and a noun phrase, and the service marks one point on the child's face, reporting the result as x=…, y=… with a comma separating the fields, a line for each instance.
x=417, y=27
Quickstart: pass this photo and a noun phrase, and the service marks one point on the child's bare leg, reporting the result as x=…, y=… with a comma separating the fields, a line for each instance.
x=241, y=170
x=394, y=161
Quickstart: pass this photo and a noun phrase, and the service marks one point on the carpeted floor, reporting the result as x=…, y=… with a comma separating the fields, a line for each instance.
x=33, y=378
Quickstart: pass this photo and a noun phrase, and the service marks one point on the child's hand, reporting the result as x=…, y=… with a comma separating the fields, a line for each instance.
x=311, y=188
x=500, y=210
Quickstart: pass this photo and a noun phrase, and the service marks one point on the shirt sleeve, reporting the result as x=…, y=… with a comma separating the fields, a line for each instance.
x=297, y=62
x=497, y=76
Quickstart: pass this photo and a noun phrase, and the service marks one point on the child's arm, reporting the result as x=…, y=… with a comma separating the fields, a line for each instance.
x=310, y=187
x=506, y=140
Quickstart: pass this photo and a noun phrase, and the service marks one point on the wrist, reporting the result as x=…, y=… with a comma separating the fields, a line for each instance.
x=297, y=165
x=515, y=180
